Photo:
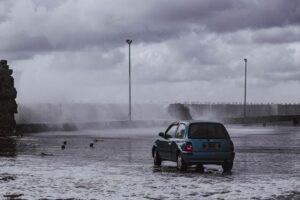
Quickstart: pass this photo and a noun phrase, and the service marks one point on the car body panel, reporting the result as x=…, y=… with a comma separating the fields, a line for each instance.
x=208, y=157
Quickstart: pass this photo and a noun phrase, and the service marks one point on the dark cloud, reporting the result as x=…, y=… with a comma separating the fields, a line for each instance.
x=24, y=43
x=232, y=15
x=74, y=25
x=256, y=15
x=174, y=42
x=277, y=35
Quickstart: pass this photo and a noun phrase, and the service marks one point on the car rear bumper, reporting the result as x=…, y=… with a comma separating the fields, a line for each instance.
x=208, y=157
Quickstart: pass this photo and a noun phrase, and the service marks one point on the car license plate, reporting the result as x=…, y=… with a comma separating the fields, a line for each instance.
x=211, y=146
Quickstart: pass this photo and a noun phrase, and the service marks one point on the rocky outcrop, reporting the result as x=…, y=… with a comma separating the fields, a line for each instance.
x=8, y=147
x=8, y=105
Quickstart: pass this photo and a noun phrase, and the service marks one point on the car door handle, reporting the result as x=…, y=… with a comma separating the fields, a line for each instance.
x=169, y=143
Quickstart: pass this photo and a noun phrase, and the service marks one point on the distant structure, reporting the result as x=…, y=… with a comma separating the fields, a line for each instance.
x=8, y=105
x=179, y=111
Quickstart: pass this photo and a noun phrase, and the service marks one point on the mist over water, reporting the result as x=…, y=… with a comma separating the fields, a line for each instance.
x=93, y=112
x=72, y=113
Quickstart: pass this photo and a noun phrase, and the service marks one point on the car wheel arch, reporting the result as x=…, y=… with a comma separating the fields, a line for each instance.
x=153, y=149
x=178, y=152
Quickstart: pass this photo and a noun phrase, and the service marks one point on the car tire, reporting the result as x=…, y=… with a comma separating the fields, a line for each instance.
x=156, y=158
x=227, y=166
x=200, y=168
x=181, y=165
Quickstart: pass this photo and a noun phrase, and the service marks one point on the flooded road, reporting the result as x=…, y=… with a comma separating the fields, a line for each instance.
x=117, y=164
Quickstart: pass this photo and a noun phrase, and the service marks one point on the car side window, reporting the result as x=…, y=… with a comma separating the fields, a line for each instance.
x=171, y=131
x=180, y=131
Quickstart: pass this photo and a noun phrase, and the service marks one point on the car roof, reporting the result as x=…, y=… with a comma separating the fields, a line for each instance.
x=188, y=122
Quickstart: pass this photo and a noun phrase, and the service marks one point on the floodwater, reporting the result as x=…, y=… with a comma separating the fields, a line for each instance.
x=119, y=166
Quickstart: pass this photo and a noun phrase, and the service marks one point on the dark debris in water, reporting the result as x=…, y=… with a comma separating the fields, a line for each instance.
x=13, y=196
x=152, y=198
x=98, y=140
x=6, y=178
x=293, y=195
x=64, y=199
x=46, y=154
x=208, y=194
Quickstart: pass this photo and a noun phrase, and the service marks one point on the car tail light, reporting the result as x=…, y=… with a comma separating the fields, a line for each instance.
x=231, y=146
x=188, y=146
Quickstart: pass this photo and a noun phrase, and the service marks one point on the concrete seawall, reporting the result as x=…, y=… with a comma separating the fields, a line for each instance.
x=237, y=110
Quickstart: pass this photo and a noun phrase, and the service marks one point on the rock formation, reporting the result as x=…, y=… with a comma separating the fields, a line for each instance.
x=8, y=105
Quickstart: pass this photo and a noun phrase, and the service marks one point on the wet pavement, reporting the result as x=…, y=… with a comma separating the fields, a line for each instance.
x=119, y=166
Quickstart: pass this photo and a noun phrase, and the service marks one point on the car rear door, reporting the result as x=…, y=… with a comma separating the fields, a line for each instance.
x=209, y=137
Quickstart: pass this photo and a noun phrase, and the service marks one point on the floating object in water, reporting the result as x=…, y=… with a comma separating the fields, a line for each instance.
x=92, y=145
x=65, y=142
x=97, y=140
x=13, y=196
x=63, y=147
x=46, y=154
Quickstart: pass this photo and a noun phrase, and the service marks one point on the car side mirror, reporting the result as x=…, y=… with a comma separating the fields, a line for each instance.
x=161, y=134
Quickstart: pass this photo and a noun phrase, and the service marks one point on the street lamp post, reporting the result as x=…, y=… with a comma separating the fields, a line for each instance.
x=245, y=89
x=129, y=114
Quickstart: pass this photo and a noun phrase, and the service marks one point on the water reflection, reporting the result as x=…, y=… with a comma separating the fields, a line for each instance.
x=8, y=147
x=191, y=170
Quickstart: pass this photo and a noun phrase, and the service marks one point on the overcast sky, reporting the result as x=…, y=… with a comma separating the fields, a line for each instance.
x=182, y=51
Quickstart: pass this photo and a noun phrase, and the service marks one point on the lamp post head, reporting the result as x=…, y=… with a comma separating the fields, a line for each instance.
x=245, y=59
x=129, y=41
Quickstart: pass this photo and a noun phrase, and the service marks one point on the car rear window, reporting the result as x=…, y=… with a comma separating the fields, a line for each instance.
x=207, y=131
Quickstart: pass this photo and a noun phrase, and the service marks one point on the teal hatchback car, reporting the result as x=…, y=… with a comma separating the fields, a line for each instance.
x=194, y=143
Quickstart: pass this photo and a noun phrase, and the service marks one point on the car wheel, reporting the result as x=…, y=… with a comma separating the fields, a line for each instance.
x=227, y=166
x=156, y=158
x=181, y=165
x=200, y=168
